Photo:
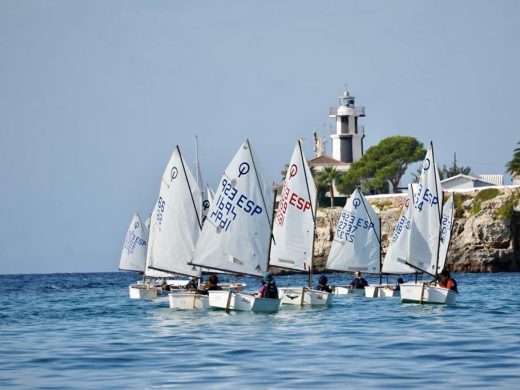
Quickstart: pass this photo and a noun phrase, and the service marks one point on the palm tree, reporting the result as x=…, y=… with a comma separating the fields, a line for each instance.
x=513, y=166
x=327, y=178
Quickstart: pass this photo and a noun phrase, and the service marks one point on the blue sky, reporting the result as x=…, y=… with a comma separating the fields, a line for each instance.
x=94, y=96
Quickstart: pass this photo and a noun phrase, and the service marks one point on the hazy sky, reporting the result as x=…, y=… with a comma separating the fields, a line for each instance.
x=94, y=96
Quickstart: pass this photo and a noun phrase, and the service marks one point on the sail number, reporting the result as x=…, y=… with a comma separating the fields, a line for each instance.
x=348, y=224
x=229, y=201
x=401, y=224
x=131, y=241
x=445, y=227
x=425, y=196
x=160, y=210
x=290, y=198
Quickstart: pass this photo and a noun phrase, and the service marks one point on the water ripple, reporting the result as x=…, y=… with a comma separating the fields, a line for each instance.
x=81, y=331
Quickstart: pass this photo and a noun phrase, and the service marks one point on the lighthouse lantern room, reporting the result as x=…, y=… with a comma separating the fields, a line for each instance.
x=347, y=140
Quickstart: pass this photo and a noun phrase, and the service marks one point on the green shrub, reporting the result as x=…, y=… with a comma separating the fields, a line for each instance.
x=482, y=196
x=487, y=194
x=458, y=199
x=505, y=211
x=384, y=204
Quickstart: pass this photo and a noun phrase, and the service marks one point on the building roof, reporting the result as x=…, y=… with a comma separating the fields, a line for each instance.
x=325, y=160
x=495, y=179
x=466, y=178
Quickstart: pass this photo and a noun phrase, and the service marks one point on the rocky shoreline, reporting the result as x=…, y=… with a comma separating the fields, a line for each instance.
x=486, y=232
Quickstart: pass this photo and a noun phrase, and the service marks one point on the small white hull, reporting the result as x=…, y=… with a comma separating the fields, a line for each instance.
x=232, y=286
x=301, y=296
x=139, y=291
x=170, y=282
x=230, y=300
x=188, y=300
x=180, y=283
x=346, y=290
x=380, y=291
x=423, y=293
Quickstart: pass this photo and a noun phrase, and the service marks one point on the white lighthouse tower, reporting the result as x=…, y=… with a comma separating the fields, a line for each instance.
x=347, y=141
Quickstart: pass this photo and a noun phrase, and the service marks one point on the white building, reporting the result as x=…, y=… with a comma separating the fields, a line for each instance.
x=465, y=182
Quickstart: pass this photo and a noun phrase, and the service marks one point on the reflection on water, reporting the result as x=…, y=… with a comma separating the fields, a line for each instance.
x=82, y=331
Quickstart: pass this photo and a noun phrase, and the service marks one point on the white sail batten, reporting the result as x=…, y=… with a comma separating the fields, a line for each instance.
x=133, y=255
x=397, y=253
x=426, y=216
x=235, y=237
x=448, y=214
x=175, y=225
x=293, y=228
x=356, y=244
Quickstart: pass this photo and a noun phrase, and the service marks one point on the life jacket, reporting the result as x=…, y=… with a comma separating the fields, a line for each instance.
x=270, y=291
x=452, y=285
x=323, y=287
x=359, y=283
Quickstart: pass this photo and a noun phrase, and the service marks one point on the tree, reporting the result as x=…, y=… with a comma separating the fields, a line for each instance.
x=385, y=162
x=445, y=172
x=454, y=170
x=513, y=166
x=327, y=177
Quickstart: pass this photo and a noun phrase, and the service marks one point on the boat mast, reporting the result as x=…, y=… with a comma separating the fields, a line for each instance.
x=199, y=175
x=380, y=257
x=378, y=237
x=258, y=180
x=275, y=192
x=189, y=188
x=439, y=207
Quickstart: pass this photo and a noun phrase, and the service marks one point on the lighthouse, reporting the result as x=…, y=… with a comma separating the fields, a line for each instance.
x=347, y=141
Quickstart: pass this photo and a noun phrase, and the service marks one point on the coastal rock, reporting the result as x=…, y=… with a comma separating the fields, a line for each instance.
x=483, y=238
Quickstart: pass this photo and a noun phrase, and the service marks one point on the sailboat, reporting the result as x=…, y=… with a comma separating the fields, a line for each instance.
x=236, y=234
x=133, y=257
x=429, y=237
x=357, y=241
x=395, y=258
x=206, y=198
x=293, y=231
x=175, y=225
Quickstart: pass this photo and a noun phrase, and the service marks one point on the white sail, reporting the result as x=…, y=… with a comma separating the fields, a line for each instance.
x=236, y=234
x=175, y=225
x=293, y=228
x=210, y=194
x=356, y=244
x=448, y=213
x=397, y=252
x=147, y=225
x=426, y=216
x=133, y=255
x=207, y=201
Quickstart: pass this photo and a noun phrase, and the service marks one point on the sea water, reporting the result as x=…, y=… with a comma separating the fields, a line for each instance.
x=82, y=331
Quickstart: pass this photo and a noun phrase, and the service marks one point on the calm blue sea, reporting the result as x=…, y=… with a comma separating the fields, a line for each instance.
x=82, y=331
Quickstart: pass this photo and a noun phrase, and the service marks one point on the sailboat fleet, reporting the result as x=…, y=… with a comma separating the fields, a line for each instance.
x=238, y=231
